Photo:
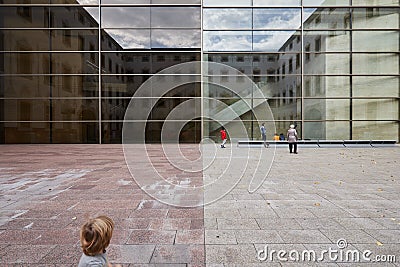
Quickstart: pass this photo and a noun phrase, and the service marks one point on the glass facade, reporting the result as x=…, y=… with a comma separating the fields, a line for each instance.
x=69, y=69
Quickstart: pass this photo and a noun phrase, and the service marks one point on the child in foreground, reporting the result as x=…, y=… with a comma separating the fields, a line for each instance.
x=95, y=237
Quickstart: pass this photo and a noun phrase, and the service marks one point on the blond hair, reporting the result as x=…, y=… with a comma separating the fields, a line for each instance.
x=96, y=235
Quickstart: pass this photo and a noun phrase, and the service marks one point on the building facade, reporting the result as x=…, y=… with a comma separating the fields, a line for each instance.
x=68, y=69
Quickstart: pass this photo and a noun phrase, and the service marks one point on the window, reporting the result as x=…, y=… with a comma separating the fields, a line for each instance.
x=297, y=61
x=145, y=58
x=240, y=59
x=256, y=59
x=307, y=50
x=224, y=59
x=290, y=65
x=318, y=44
x=160, y=58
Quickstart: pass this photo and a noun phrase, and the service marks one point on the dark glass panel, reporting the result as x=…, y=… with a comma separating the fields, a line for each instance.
x=115, y=108
x=125, y=17
x=111, y=132
x=25, y=109
x=276, y=3
x=121, y=39
x=121, y=86
x=75, y=86
x=24, y=86
x=276, y=18
x=175, y=17
x=24, y=132
x=189, y=133
x=25, y=40
x=164, y=106
x=75, y=132
x=24, y=17
x=75, y=109
x=75, y=2
x=144, y=63
x=75, y=63
x=73, y=17
x=26, y=2
x=176, y=2
x=326, y=18
x=375, y=18
x=77, y=40
x=181, y=38
x=25, y=63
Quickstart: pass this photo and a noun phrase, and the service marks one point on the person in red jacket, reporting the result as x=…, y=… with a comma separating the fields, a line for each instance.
x=223, y=137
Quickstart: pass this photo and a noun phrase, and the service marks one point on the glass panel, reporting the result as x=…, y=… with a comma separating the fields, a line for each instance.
x=378, y=86
x=326, y=18
x=24, y=40
x=275, y=18
x=375, y=2
x=176, y=2
x=376, y=18
x=326, y=109
x=39, y=86
x=73, y=17
x=164, y=106
x=326, y=63
x=276, y=2
x=375, y=130
x=327, y=41
x=25, y=2
x=175, y=17
x=74, y=2
x=25, y=109
x=241, y=62
x=329, y=86
x=227, y=18
x=75, y=109
x=325, y=2
x=125, y=17
x=120, y=39
x=175, y=38
x=375, y=109
x=24, y=86
x=114, y=108
x=376, y=64
x=227, y=3
x=144, y=63
x=227, y=41
x=74, y=63
x=24, y=132
x=376, y=41
x=75, y=132
x=78, y=40
x=111, y=132
x=122, y=86
x=24, y=63
x=127, y=2
x=24, y=17
x=288, y=109
x=327, y=130
x=276, y=41
x=75, y=86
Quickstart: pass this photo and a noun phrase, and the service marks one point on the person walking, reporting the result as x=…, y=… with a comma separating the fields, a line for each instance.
x=264, y=134
x=292, y=139
x=223, y=137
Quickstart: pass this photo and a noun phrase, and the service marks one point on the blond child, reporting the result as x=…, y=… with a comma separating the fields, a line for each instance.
x=95, y=237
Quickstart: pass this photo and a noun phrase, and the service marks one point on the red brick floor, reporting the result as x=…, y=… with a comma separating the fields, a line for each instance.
x=48, y=191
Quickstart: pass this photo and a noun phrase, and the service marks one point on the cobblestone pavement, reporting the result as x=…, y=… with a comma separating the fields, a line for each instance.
x=308, y=202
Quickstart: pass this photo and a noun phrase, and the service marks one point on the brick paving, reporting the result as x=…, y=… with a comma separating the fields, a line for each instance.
x=308, y=201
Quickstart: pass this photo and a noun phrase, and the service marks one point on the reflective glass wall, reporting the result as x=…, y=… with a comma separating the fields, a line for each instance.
x=68, y=69
x=330, y=67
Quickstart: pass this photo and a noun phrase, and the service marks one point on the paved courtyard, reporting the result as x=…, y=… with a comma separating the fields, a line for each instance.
x=333, y=199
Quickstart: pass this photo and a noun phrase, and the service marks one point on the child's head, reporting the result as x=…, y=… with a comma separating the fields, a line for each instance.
x=96, y=235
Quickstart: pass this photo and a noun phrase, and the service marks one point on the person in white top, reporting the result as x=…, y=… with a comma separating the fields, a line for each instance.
x=292, y=139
